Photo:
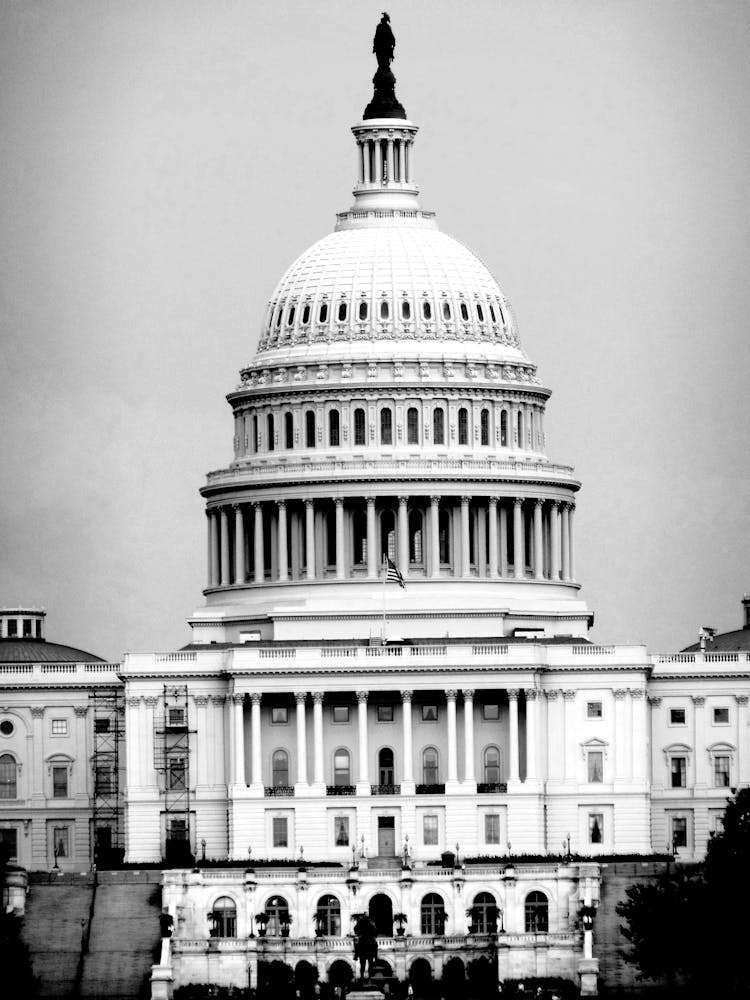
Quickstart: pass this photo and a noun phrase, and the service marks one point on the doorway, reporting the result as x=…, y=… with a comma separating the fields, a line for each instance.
x=386, y=836
x=381, y=914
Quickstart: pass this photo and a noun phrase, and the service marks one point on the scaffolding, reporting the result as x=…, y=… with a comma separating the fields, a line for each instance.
x=108, y=834
x=172, y=761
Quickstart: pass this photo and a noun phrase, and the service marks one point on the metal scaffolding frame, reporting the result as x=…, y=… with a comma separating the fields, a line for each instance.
x=108, y=706
x=172, y=761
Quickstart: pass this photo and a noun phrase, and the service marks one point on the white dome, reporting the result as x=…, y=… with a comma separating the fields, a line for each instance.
x=387, y=282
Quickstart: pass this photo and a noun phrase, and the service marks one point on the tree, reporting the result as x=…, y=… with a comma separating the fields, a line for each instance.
x=696, y=926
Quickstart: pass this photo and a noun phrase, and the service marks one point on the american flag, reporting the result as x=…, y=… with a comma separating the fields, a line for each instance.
x=392, y=574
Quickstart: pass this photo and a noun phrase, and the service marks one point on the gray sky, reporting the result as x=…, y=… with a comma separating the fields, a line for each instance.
x=165, y=160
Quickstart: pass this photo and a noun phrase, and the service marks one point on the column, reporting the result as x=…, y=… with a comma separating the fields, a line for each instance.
x=389, y=159
x=225, y=579
x=202, y=739
x=378, y=149
x=310, y=539
x=452, y=747
x=372, y=545
x=531, y=734
x=238, y=740
x=623, y=752
x=465, y=549
x=133, y=747
x=554, y=541
x=640, y=748
x=407, y=769
x=82, y=747
x=513, y=735
x=362, y=727
x=403, y=536
x=318, y=737
x=366, y=161
x=492, y=515
x=538, y=542
x=149, y=708
x=260, y=556
x=435, y=535
x=699, y=740
x=360, y=151
x=340, y=567
x=282, y=546
x=503, y=540
x=741, y=772
x=519, y=556
x=301, y=697
x=566, y=541
x=571, y=547
x=257, y=773
x=402, y=161
x=555, y=735
x=468, y=735
x=569, y=705
x=213, y=552
x=239, y=544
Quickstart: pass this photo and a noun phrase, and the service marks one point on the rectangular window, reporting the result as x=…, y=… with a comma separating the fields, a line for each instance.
x=593, y=710
x=678, y=772
x=279, y=716
x=27, y=628
x=430, y=830
x=59, y=782
x=9, y=844
x=12, y=627
x=429, y=713
x=101, y=725
x=492, y=828
x=677, y=716
x=679, y=831
x=178, y=829
x=385, y=713
x=595, y=761
x=176, y=718
x=341, y=831
x=176, y=773
x=721, y=771
x=59, y=727
x=721, y=716
x=596, y=828
x=104, y=783
x=280, y=834
x=61, y=841
x=340, y=713
x=490, y=713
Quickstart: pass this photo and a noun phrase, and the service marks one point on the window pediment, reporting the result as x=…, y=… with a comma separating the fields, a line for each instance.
x=594, y=744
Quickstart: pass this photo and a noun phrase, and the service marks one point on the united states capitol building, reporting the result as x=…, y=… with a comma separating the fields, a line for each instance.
x=452, y=755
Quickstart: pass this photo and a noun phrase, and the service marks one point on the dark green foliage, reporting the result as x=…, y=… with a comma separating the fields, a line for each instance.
x=18, y=978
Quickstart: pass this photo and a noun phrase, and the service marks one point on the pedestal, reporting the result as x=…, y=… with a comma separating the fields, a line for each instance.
x=588, y=970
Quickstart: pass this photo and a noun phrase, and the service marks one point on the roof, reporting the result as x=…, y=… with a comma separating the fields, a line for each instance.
x=737, y=641
x=39, y=651
x=555, y=640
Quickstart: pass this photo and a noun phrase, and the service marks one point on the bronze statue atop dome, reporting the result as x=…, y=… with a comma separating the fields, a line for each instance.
x=384, y=103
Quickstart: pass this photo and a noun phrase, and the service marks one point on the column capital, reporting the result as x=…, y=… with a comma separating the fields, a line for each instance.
x=317, y=697
x=255, y=504
x=556, y=504
x=493, y=501
x=281, y=504
x=435, y=500
x=362, y=697
x=339, y=501
x=133, y=702
x=403, y=501
x=201, y=700
x=741, y=699
x=308, y=502
x=620, y=694
x=465, y=501
x=236, y=505
x=698, y=700
x=237, y=699
x=209, y=511
x=80, y=709
x=637, y=693
x=255, y=698
x=451, y=695
x=653, y=701
x=512, y=694
x=218, y=699
x=569, y=694
x=300, y=697
x=37, y=712
x=151, y=702
x=531, y=694
x=551, y=693
x=468, y=694
x=538, y=502
x=518, y=501
x=407, y=696
x=370, y=501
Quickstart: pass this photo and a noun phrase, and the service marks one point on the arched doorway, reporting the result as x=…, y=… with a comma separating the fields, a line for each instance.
x=454, y=977
x=381, y=914
x=340, y=973
x=420, y=976
x=305, y=976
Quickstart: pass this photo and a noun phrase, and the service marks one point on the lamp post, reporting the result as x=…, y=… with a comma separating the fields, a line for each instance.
x=566, y=849
x=203, y=849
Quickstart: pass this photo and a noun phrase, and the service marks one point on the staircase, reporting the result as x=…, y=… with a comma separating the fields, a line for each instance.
x=55, y=907
x=124, y=934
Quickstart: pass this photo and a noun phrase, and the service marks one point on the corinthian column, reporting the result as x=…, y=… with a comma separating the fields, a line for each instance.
x=435, y=536
x=538, y=542
x=318, y=737
x=239, y=544
x=257, y=772
x=225, y=580
x=468, y=735
x=283, y=554
x=340, y=564
x=465, y=544
x=531, y=734
x=513, y=735
x=452, y=747
x=310, y=539
x=407, y=769
x=364, y=777
x=492, y=516
x=519, y=556
x=372, y=545
x=554, y=541
x=301, y=698
x=260, y=556
x=403, y=536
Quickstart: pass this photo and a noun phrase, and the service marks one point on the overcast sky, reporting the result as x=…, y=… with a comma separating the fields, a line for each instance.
x=165, y=160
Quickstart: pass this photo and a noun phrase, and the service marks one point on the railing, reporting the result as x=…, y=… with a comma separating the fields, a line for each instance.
x=280, y=653
x=428, y=650
x=385, y=789
x=183, y=656
x=338, y=652
x=341, y=789
x=592, y=650
x=490, y=649
x=435, y=789
x=383, y=650
x=487, y=787
x=75, y=673
x=278, y=791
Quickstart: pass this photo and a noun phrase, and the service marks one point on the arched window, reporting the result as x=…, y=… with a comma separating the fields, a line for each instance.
x=255, y=432
x=438, y=425
x=492, y=313
x=385, y=766
x=342, y=774
x=310, y=428
x=280, y=769
x=405, y=309
x=323, y=312
x=504, y=429
x=536, y=913
x=426, y=310
x=269, y=430
x=288, y=430
x=277, y=911
x=484, y=913
x=385, y=309
x=430, y=766
x=333, y=429
x=279, y=311
x=463, y=426
x=359, y=427
x=446, y=310
x=444, y=536
x=8, y=777
x=328, y=916
x=485, y=427
x=492, y=766
x=416, y=554
x=223, y=918
x=432, y=914
x=290, y=316
x=464, y=312
x=386, y=426
x=306, y=314
x=480, y=313
x=343, y=310
x=412, y=425
x=359, y=529
x=519, y=428
x=363, y=310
